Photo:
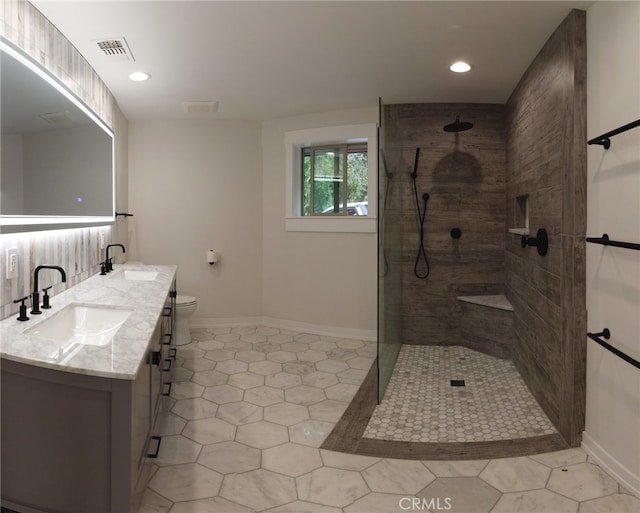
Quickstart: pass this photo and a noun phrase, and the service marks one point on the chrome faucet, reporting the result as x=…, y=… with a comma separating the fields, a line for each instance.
x=108, y=266
x=35, y=296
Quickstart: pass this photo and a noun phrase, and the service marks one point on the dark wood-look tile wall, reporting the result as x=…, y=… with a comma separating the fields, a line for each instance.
x=487, y=330
x=464, y=175
x=546, y=159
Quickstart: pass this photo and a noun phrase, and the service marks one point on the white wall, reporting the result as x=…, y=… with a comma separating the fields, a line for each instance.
x=196, y=185
x=121, y=141
x=324, y=279
x=612, y=433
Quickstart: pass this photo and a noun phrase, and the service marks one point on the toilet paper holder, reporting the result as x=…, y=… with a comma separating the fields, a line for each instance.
x=212, y=256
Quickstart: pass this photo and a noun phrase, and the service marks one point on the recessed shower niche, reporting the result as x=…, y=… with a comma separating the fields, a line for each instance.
x=521, y=215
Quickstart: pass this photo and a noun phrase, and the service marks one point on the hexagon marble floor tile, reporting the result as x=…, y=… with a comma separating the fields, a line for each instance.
x=250, y=407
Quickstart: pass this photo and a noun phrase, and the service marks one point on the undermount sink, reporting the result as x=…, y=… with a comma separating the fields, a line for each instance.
x=132, y=274
x=86, y=324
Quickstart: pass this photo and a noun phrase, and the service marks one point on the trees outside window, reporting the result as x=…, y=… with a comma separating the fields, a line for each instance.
x=331, y=173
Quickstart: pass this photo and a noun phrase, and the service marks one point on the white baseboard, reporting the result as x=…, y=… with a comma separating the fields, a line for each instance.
x=224, y=322
x=613, y=467
x=304, y=327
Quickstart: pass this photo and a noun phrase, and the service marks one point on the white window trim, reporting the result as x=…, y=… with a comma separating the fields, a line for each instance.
x=294, y=141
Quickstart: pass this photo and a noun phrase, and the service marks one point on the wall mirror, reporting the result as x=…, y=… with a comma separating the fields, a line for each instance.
x=57, y=156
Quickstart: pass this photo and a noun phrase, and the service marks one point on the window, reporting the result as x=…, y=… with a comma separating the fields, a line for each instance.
x=332, y=173
x=325, y=166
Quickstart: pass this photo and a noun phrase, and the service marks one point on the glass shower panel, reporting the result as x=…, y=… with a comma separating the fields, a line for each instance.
x=389, y=252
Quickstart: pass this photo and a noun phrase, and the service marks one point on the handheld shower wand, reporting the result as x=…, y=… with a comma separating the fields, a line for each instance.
x=422, y=213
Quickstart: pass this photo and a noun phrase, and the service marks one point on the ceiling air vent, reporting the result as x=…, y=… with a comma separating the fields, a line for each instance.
x=57, y=117
x=199, y=107
x=116, y=47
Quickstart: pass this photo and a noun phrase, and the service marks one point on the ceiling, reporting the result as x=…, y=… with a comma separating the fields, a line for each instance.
x=265, y=60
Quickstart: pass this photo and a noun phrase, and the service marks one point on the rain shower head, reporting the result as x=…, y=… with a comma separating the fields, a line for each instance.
x=458, y=126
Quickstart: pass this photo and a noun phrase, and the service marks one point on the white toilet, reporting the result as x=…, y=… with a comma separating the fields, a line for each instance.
x=185, y=306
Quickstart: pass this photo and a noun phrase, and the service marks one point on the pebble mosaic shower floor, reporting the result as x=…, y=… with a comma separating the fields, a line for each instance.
x=421, y=403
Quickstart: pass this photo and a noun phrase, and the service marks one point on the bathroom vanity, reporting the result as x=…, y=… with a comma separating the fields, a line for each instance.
x=79, y=404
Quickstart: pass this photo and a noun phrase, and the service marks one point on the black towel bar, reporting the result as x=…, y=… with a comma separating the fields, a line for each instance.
x=604, y=139
x=605, y=241
x=607, y=334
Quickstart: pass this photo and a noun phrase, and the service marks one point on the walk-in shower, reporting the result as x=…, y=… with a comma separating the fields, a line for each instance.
x=446, y=371
x=485, y=292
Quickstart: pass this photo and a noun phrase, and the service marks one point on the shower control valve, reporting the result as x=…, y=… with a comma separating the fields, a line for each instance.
x=540, y=241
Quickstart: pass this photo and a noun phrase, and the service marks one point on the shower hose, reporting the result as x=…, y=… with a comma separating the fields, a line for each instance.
x=421, y=257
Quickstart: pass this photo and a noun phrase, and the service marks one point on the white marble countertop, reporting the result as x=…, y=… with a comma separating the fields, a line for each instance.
x=119, y=358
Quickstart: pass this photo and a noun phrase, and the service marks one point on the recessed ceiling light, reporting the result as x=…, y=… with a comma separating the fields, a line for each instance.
x=139, y=76
x=460, y=67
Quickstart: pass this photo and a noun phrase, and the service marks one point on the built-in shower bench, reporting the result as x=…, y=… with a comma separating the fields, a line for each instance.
x=487, y=324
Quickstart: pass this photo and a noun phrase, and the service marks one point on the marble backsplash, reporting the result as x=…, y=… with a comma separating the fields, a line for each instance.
x=77, y=251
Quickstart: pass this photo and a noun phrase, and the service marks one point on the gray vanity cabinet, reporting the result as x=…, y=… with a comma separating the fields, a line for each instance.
x=163, y=377
x=153, y=382
x=74, y=443
x=142, y=415
x=56, y=439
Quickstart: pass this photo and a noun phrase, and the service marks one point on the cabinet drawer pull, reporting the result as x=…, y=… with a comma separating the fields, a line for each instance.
x=172, y=352
x=168, y=367
x=168, y=390
x=167, y=341
x=155, y=454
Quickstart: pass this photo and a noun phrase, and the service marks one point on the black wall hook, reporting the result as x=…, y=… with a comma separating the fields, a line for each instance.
x=540, y=241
